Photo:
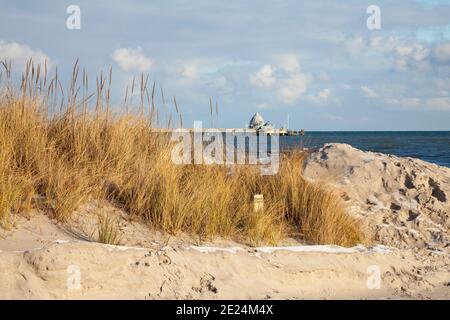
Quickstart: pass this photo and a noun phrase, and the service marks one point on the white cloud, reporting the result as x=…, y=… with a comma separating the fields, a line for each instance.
x=321, y=97
x=132, y=59
x=442, y=103
x=190, y=70
x=442, y=52
x=324, y=77
x=286, y=78
x=346, y=86
x=20, y=53
x=355, y=45
x=324, y=94
x=412, y=102
x=293, y=87
x=263, y=106
x=369, y=92
x=288, y=62
x=405, y=54
x=438, y=103
x=264, y=77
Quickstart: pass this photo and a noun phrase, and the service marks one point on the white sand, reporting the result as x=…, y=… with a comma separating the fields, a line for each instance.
x=39, y=258
x=180, y=272
x=405, y=202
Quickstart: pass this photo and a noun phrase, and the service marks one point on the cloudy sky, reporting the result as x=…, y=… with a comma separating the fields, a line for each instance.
x=315, y=61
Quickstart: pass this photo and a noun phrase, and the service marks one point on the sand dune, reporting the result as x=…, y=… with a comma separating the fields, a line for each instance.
x=404, y=204
x=182, y=272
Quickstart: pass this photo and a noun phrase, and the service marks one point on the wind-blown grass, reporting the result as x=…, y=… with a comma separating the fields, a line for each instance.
x=56, y=160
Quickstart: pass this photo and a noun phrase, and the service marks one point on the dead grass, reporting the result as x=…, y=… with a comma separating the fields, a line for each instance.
x=79, y=154
x=108, y=230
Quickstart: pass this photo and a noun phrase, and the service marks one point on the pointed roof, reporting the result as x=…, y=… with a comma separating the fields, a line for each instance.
x=256, y=121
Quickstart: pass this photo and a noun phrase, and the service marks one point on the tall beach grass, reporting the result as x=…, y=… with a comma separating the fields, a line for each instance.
x=62, y=148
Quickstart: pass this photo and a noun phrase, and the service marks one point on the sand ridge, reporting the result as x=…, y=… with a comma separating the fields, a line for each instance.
x=179, y=273
x=404, y=204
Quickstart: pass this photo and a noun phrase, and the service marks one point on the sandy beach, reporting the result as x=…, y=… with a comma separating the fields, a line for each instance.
x=409, y=224
x=187, y=153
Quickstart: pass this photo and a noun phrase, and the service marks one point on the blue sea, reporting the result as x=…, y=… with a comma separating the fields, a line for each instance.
x=431, y=146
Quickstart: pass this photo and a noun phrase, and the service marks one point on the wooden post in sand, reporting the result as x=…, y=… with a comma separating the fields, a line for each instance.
x=258, y=202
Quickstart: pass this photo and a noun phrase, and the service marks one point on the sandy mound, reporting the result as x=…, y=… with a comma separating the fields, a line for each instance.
x=83, y=270
x=32, y=233
x=41, y=259
x=405, y=202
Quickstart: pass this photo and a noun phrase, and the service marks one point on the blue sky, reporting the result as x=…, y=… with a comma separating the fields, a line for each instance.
x=314, y=60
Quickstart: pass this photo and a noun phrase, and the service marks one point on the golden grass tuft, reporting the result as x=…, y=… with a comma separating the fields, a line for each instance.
x=108, y=230
x=57, y=159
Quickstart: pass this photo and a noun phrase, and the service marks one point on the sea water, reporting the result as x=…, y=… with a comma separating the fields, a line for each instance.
x=431, y=146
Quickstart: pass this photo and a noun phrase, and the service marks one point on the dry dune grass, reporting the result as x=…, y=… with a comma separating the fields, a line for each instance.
x=55, y=156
